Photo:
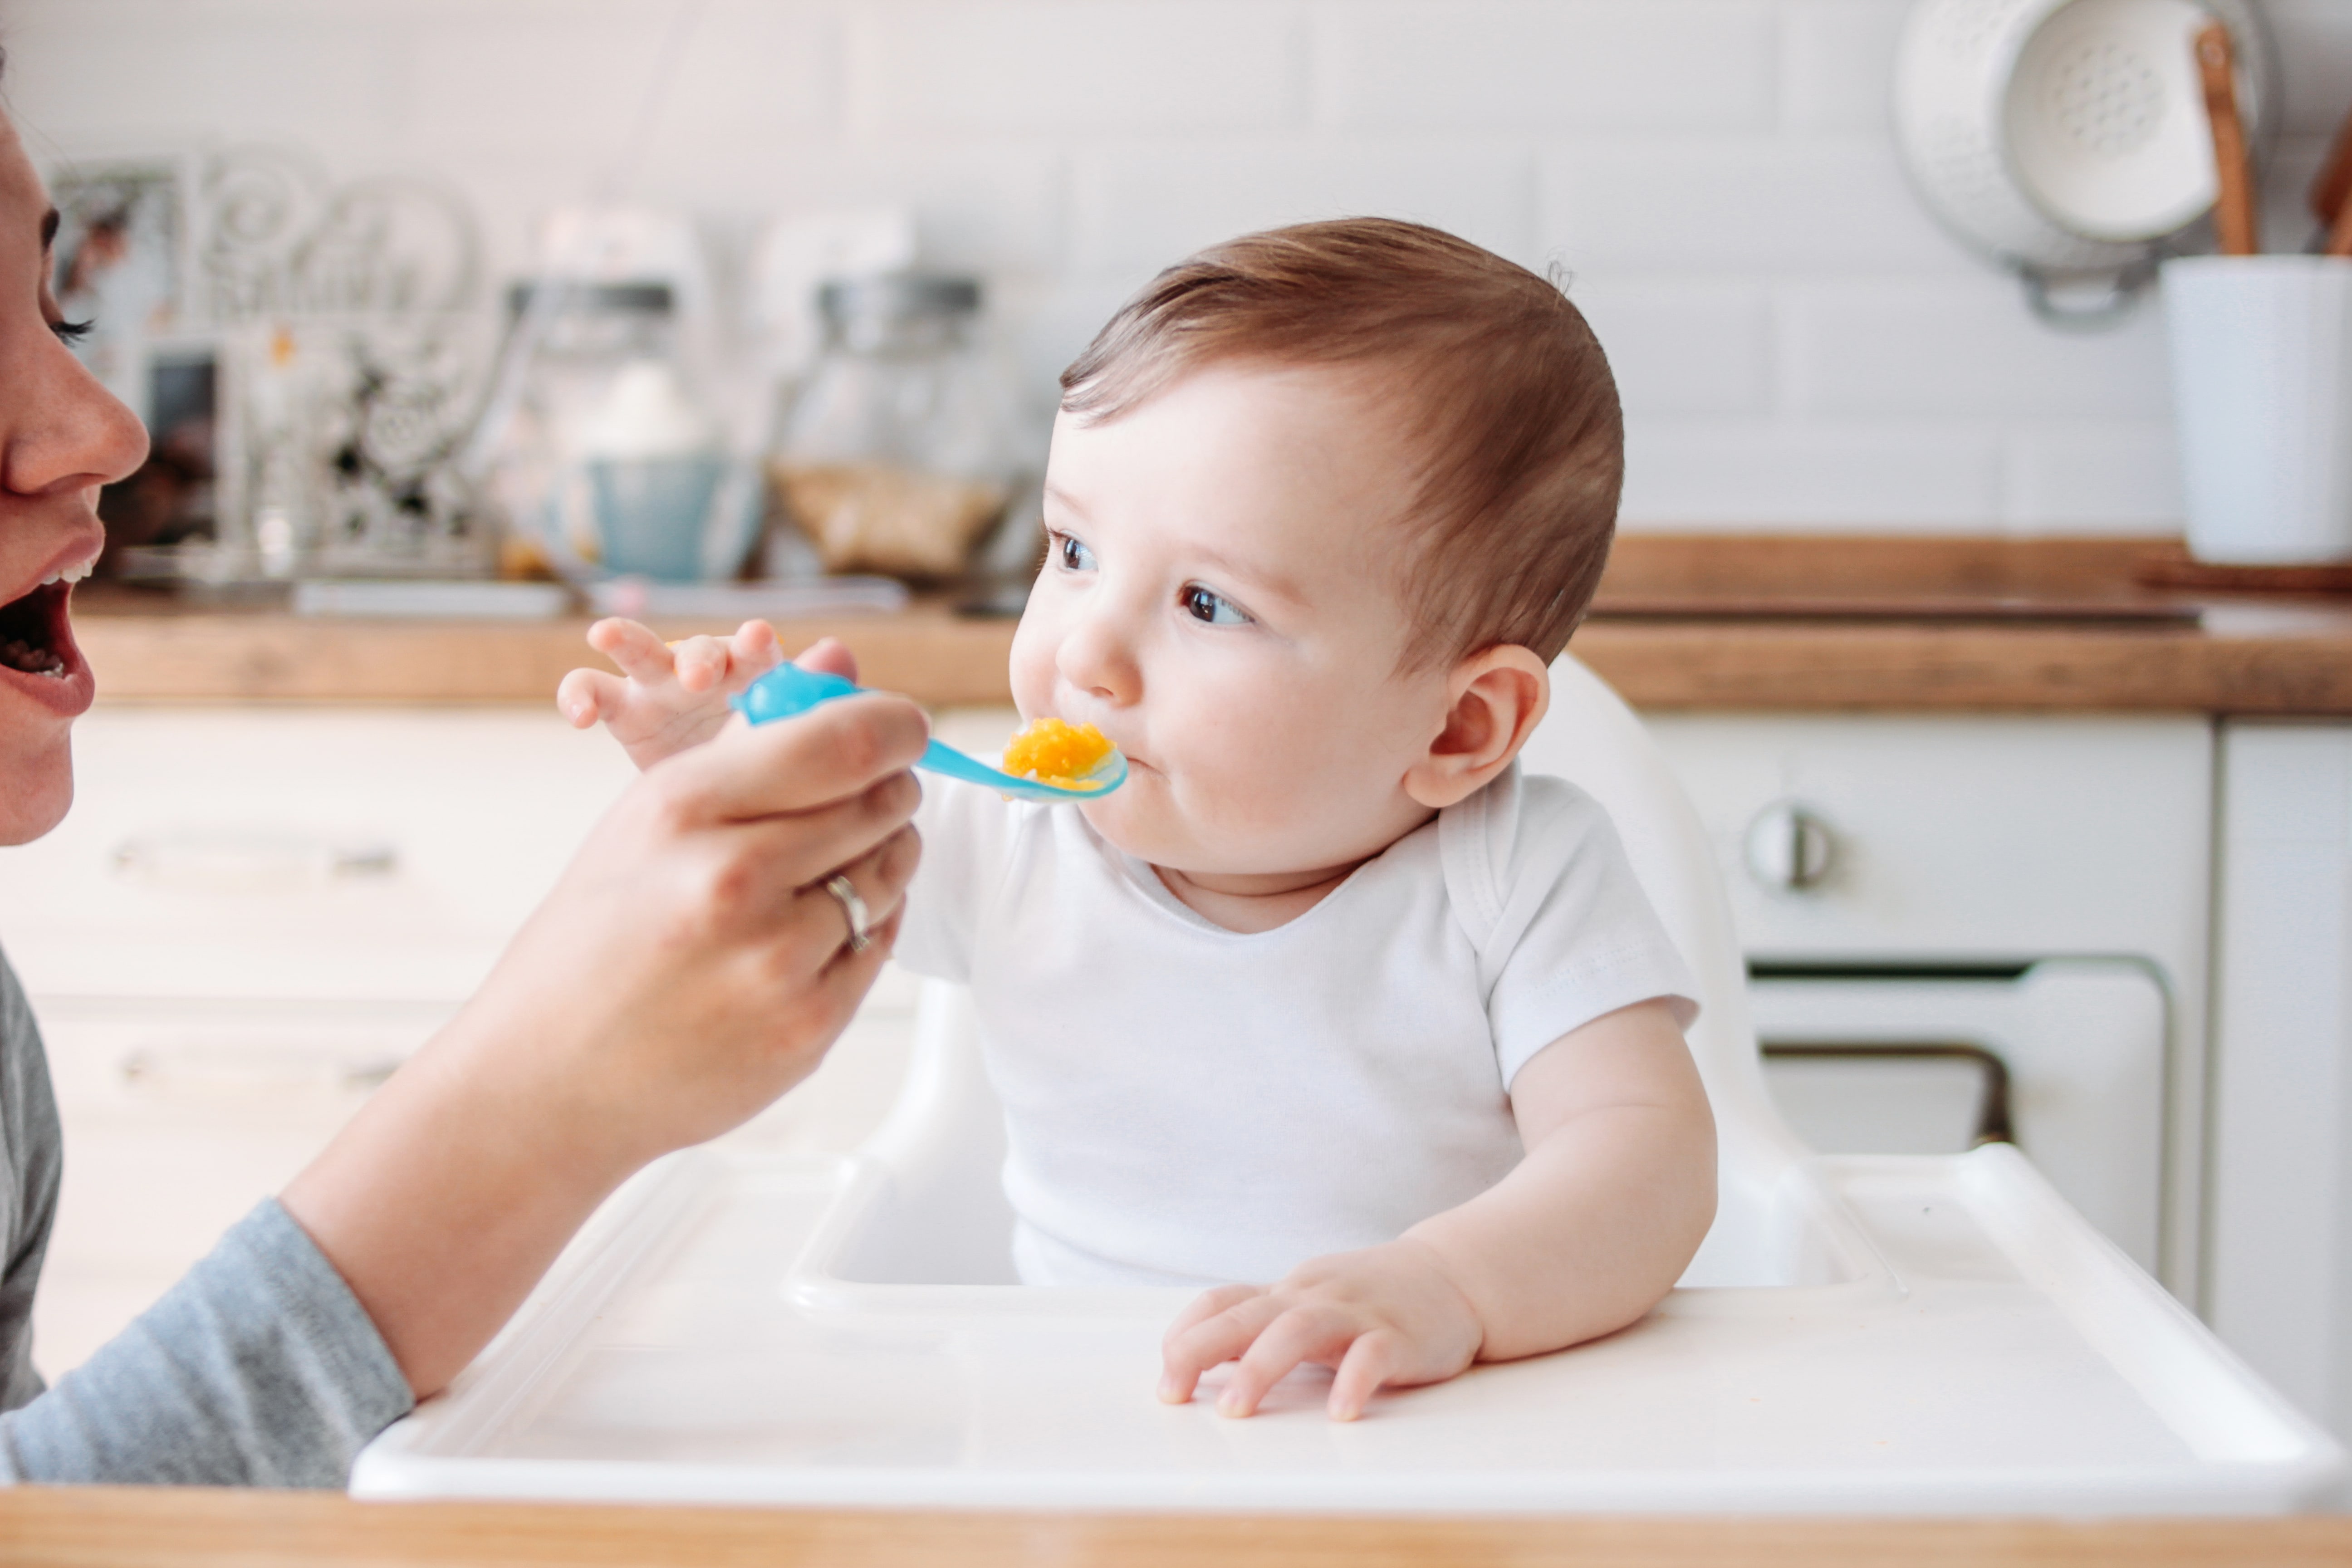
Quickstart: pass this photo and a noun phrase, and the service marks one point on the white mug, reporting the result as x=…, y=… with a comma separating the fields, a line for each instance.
x=2261, y=381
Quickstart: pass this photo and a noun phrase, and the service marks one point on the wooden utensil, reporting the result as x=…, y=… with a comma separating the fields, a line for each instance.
x=2334, y=182
x=2331, y=194
x=2234, y=210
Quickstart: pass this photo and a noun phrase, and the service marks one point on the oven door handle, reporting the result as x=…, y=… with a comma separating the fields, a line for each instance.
x=1992, y=1111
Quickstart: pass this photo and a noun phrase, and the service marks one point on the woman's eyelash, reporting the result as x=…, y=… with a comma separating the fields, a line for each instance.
x=71, y=331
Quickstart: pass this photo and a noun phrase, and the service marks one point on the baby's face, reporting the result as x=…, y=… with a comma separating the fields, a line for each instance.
x=1221, y=597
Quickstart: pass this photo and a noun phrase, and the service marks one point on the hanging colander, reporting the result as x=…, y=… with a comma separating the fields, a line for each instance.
x=2066, y=140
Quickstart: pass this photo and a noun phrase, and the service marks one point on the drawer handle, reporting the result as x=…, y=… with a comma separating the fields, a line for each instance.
x=237, y=861
x=1992, y=1111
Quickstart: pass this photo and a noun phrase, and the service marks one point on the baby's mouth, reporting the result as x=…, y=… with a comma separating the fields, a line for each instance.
x=34, y=640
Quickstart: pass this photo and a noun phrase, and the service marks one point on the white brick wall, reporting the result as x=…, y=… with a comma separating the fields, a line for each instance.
x=1798, y=344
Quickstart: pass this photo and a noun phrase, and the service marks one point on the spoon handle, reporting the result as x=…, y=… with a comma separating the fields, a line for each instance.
x=942, y=758
x=788, y=689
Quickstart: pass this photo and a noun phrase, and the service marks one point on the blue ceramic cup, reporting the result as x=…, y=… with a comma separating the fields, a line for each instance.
x=654, y=513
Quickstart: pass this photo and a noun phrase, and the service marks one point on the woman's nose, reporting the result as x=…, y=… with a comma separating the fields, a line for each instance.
x=1097, y=655
x=70, y=433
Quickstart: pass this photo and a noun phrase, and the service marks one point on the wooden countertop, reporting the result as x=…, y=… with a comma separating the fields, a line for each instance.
x=191, y=1528
x=1682, y=621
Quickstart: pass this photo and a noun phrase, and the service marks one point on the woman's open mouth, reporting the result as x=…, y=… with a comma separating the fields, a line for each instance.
x=29, y=630
x=38, y=655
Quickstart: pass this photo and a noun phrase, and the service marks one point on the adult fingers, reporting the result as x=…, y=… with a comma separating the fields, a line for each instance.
x=1213, y=1341
x=1300, y=1334
x=641, y=655
x=827, y=754
x=793, y=852
x=1373, y=1360
x=877, y=882
x=854, y=971
x=587, y=695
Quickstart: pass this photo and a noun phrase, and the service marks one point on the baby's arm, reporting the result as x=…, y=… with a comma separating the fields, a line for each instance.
x=667, y=697
x=1588, y=1233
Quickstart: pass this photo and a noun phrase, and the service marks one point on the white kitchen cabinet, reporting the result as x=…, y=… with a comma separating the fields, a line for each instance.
x=2279, y=1287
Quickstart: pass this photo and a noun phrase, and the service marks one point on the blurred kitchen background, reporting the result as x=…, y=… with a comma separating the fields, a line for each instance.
x=443, y=313
x=1799, y=345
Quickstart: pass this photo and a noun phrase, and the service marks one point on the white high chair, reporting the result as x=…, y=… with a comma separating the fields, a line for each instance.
x=1885, y=1333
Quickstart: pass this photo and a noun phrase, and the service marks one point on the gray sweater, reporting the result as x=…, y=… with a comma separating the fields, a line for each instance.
x=259, y=1369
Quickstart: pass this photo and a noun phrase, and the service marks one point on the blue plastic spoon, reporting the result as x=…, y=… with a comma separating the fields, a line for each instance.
x=788, y=689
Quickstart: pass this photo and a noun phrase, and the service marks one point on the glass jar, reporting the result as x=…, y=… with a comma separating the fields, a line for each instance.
x=905, y=447
x=613, y=462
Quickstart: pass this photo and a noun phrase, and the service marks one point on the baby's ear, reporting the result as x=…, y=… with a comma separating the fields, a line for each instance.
x=1494, y=700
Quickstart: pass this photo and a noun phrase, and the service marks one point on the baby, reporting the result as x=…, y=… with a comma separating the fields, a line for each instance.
x=1330, y=1008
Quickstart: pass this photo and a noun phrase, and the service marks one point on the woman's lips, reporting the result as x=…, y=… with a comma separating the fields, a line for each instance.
x=68, y=688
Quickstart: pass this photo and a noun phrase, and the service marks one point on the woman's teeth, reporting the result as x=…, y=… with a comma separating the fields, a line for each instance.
x=19, y=655
x=73, y=574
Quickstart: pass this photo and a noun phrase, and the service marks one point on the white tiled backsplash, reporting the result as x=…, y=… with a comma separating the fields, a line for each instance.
x=1798, y=344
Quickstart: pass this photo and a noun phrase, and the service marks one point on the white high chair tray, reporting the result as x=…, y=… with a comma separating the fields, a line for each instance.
x=1928, y=1335
x=1953, y=1339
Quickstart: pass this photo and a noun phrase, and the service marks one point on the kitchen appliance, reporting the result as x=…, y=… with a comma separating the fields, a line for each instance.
x=2063, y=1058
x=1871, y=1333
x=2066, y=140
x=1965, y=927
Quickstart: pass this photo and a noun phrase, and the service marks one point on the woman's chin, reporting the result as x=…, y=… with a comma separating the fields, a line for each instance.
x=39, y=786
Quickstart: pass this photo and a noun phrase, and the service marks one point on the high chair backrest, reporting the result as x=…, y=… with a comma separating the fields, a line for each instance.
x=1592, y=739
x=944, y=1140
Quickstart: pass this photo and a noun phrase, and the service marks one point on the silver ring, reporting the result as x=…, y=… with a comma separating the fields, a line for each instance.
x=853, y=908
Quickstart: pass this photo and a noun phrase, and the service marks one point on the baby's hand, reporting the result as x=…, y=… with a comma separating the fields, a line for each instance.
x=667, y=698
x=1386, y=1315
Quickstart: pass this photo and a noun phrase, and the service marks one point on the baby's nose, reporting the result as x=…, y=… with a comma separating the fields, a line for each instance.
x=1095, y=658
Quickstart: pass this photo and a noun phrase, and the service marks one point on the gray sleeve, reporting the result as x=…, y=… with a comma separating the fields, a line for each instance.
x=259, y=1369
x=29, y=1172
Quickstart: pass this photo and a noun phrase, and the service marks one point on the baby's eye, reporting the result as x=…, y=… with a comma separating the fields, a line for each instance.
x=1207, y=604
x=1073, y=555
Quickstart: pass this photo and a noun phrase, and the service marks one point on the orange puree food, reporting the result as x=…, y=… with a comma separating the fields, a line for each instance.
x=1056, y=754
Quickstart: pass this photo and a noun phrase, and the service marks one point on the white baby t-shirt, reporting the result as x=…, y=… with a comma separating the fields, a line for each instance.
x=1186, y=1104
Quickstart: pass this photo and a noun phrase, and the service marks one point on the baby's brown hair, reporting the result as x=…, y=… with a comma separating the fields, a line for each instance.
x=1504, y=387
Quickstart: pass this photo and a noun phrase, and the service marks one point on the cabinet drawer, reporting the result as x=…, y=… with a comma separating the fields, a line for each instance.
x=315, y=854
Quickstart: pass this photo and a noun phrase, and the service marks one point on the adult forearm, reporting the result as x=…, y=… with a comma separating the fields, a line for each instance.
x=445, y=1200
x=1588, y=1233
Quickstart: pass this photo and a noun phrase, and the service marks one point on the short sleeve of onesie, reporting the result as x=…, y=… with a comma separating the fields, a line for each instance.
x=1563, y=932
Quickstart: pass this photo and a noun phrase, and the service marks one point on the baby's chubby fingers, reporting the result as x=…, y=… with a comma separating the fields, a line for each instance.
x=642, y=656
x=1376, y=1358
x=588, y=695
x=732, y=663
x=701, y=662
x=1218, y=1326
x=1315, y=1332
x=828, y=656
x=753, y=651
